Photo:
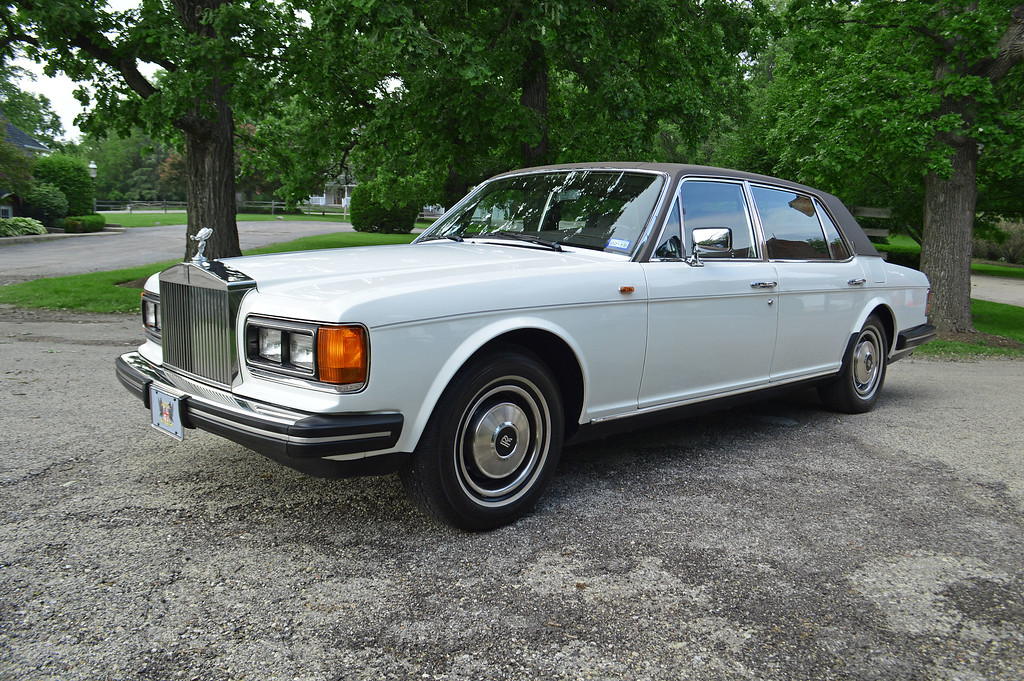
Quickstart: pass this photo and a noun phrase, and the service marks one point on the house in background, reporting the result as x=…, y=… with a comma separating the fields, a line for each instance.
x=10, y=205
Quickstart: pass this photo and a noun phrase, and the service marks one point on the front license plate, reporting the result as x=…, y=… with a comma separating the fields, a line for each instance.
x=166, y=413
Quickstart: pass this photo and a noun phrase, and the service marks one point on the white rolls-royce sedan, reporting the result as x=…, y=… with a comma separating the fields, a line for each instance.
x=549, y=305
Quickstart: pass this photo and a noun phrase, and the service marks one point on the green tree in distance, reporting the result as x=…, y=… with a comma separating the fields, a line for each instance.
x=29, y=112
x=215, y=56
x=15, y=166
x=888, y=100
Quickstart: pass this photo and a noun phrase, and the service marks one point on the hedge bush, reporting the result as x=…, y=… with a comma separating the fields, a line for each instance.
x=908, y=256
x=1009, y=249
x=71, y=176
x=368, y=215
x=85, y=223
x=47, y=203
x=20, y=227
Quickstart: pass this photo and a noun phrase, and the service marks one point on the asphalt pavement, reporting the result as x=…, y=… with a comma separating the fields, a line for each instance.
x=775, y=542
x=102, y=251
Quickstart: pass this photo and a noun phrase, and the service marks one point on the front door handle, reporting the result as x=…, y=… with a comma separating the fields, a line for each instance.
x=763, y=284
x=857, y=282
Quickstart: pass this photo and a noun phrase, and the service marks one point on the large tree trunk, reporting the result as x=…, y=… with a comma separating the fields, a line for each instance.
x=948, y=239
x=210, y=188
x=535, y=98
x=209, y=150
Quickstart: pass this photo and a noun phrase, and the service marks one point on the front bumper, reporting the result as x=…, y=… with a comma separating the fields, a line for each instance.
x=297, y=439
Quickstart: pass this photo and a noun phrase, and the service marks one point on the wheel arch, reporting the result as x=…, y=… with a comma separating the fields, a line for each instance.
x=559, y=358
x=885, y=315
x=551, y=344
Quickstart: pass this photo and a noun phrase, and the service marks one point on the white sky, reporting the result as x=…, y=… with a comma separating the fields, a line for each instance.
x=60, y=88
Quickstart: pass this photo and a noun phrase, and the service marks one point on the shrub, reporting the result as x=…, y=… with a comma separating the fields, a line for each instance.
x=1009, y=248
x=71, y=176
x=368, y=215
x=908, y=256
x=20, y=227
x=85, y=223
x=47, y=204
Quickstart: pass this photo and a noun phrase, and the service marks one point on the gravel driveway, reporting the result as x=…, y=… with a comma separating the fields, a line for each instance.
x=775, y=541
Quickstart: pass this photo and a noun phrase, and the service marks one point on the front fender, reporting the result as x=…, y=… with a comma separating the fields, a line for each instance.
x=473, y=344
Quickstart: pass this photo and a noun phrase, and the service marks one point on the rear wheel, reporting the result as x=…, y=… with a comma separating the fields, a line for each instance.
x=856, y=389
x=492, y=444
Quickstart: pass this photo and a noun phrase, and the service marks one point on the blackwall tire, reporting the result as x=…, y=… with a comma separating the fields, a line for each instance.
x=492, y=444
x=856, y=389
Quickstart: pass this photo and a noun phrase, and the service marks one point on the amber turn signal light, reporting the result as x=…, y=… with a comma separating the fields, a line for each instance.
x=342, y=356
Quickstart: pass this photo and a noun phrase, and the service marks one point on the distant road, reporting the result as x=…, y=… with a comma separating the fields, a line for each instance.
x=136, y=246
x=998, y=289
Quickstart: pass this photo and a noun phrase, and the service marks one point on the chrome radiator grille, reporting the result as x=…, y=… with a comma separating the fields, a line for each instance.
x=199, y=306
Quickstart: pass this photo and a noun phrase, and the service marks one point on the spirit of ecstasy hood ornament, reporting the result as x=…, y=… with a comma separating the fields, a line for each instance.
x=201, y=236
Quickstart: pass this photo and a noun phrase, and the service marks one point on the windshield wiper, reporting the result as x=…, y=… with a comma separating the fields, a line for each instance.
x=522, y=236
x=450, y=237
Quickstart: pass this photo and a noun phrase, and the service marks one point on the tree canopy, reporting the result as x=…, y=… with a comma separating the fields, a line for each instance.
x=912, y=105
x=429, y=98
x=213, y=56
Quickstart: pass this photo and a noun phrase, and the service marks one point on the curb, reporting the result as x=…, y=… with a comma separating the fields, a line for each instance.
x=36, y=238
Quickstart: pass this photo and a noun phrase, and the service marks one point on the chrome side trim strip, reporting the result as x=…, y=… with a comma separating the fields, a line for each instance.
x=712, y=396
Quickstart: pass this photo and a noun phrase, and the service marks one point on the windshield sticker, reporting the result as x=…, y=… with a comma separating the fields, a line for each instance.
x=621, y=244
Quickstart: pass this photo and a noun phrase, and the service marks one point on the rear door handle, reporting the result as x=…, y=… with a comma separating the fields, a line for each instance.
x=857, y=282
x=763, y=284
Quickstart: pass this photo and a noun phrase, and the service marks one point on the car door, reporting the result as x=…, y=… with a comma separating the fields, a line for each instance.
x=821, y=286
x=712, y=327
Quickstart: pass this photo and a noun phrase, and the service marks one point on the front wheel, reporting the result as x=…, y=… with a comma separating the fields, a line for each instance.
x=492, y=444
x=855, y=390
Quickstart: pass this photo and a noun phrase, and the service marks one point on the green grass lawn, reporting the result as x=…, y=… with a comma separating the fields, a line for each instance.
x=100, y=292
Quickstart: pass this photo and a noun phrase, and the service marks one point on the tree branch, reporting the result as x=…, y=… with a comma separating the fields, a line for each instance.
x=1010, y=49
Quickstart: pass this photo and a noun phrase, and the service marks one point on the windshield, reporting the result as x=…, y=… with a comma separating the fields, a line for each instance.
x=598, y=209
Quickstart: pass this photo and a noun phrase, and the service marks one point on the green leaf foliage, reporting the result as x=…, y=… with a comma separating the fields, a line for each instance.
x=84, y=223
x=71, y=175
x=857, y=98
x=15, y=166
x=371, y=215
x=47, y=204
x=20, y=227
x=428, y=98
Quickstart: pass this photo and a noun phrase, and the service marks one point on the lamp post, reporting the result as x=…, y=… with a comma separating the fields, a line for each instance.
x=92, y=174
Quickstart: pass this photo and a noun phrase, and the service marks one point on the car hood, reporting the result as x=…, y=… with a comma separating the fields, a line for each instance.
x=357, y=282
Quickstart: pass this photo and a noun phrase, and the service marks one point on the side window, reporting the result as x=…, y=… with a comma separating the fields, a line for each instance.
x=718, y=211
x=835, y=241
x=671, y=246
x=791, y=227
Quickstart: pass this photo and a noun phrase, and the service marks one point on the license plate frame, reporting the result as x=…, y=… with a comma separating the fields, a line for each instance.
x=165, y=412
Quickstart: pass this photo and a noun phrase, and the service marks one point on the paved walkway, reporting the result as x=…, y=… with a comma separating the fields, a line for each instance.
x=101, y=251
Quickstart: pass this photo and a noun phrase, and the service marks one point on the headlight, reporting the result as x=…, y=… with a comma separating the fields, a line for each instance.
x=151, y=315
x=337, y=355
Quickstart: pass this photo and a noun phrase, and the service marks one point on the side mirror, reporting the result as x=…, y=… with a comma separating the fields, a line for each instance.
x=709, y=241
x=712, y=240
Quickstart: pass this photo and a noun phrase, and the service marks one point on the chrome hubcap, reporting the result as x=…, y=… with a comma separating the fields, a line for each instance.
x=497, y=445
x=504, y=443
x=866, y=363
